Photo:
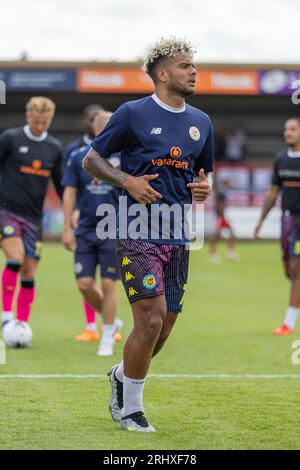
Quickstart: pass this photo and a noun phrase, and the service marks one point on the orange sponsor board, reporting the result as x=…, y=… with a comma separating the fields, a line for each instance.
x=113, y=81
x=233, y=82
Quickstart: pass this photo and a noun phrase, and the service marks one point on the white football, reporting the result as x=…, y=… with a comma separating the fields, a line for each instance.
x=17, y=334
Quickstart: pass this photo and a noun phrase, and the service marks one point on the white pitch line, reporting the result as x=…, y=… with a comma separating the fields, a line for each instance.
x=156, y=376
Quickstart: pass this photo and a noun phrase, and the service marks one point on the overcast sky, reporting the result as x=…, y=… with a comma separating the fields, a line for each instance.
x=222, y=31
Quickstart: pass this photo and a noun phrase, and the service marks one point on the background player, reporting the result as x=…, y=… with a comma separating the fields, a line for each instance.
x=29, y=156
x=88, y=116
x=223, y=229
x=89, y=250
x=164, y=142
x=286, y=179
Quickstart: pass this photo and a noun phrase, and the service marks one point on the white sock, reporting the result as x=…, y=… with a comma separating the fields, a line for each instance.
x=107, y=339
x=108, y=334
x=120, y=371
x=109, y=330
x=91, y=326
x=7, y=316
x=133, y=395
x=118, y=324
x=291, y=317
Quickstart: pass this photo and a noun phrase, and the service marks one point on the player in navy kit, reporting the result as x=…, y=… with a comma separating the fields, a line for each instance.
x=29, y=157
x=286, y=179
x=164, y=144
x=89, y=250
x=88, y=116
x=89, y=113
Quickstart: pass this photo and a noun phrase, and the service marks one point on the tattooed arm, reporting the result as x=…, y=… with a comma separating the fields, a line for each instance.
x=137, y=186
x=269, y=202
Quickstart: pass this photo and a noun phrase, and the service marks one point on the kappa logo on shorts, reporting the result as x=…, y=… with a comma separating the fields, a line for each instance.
x=297, y=248
x=128, y=276
x=131, y=292
x=8, y=230
x=149, y=281
x=126, y=261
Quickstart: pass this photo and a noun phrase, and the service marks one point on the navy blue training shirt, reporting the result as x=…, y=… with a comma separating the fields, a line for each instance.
x=91, y=195
x=75, y=145
x=156, y=138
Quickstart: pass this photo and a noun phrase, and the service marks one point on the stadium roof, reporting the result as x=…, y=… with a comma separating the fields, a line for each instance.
x=113, y=64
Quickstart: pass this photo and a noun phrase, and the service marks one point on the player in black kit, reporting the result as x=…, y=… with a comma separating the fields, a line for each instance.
x=29, y=157
x=286, y=179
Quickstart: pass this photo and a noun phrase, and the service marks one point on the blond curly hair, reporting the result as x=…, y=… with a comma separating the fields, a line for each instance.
x=40, y=104
x=166, y=48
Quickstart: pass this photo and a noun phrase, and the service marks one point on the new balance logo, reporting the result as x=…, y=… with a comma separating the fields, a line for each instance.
x=156, y=130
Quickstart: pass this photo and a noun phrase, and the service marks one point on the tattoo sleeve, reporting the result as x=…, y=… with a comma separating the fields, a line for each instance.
x=100, y=168
x=269, y=201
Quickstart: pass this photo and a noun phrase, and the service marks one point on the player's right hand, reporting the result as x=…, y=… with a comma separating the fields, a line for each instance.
x=140, y=189
x=257, y=230
x=201, y=189
x=68, y=239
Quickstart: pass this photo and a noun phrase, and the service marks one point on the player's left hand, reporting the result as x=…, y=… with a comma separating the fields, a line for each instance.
x=68, y=239
x=202, y=189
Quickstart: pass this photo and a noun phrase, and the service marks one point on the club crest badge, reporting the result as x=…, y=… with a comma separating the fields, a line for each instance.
x=194, y=133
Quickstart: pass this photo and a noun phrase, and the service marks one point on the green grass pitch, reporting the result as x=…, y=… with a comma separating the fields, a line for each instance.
x=226, y=328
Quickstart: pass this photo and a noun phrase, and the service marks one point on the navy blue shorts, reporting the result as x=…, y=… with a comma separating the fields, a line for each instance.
x=149, y=269
x=12, y=225
x=290, y=235
x=90, y=253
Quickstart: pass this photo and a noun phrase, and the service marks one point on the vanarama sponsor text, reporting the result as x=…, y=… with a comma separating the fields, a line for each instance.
x=170, y=162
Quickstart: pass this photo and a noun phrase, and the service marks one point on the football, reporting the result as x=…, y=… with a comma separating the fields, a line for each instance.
x=17, y=334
